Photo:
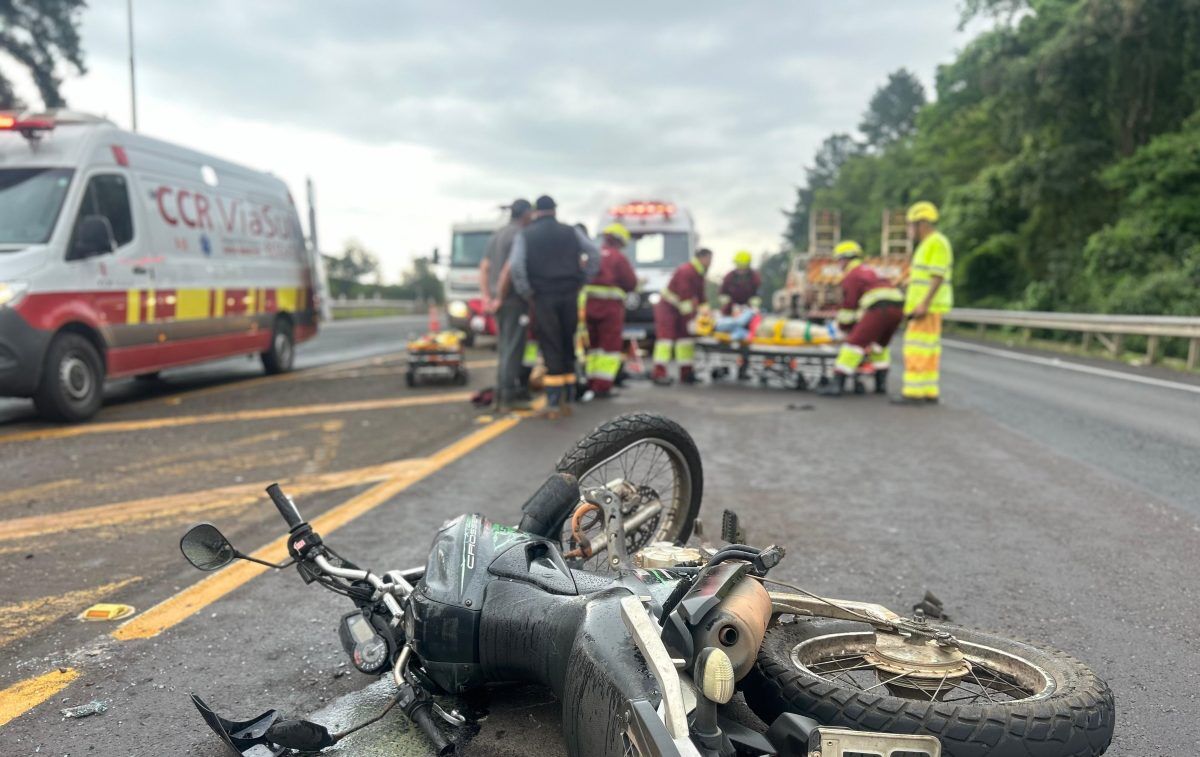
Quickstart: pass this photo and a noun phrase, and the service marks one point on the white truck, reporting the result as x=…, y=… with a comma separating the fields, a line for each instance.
x=465, y=308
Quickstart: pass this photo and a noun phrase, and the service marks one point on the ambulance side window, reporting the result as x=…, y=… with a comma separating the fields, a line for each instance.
x=106, y=197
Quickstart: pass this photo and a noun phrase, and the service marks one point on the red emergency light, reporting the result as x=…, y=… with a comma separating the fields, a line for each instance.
x=643, y=209
x=27, y=125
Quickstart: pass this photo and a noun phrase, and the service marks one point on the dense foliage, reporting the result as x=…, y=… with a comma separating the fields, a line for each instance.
x=42, y=36
x=1063, y=146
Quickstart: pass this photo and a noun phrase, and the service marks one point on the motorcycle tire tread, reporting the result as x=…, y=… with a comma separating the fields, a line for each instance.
x=1077, y=722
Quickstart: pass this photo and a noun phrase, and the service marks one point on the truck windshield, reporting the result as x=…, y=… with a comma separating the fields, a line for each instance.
x=659, y=250
x=467, y=248
x=30, y=200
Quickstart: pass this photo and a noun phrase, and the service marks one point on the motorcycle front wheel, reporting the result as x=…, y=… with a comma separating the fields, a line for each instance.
x=658, y=459
x=1012, y=699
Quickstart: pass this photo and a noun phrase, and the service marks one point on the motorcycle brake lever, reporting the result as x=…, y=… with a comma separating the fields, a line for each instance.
x=454, y=717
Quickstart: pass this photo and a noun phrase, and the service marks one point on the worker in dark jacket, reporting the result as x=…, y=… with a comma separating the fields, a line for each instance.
x=740, y=286
x=549, y=264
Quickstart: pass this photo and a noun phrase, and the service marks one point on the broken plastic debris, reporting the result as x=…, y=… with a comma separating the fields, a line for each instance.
x=94, y=707
x=107, y=612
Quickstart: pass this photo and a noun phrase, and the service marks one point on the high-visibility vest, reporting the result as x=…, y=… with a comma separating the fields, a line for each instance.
x=934, y=257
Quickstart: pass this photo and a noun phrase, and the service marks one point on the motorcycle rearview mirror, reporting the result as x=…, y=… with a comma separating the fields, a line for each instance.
x=207, y=549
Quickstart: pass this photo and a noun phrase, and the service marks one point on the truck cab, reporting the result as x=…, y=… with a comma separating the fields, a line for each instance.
x=465, y=308
x=664, y=236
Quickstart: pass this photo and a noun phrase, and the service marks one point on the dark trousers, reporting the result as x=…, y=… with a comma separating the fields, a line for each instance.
x=510, y=350
x=556, y=317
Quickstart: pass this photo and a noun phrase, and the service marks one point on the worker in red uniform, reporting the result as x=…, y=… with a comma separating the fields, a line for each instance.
x=740, y=286
x=872, y=309
x=679, y=301
x=604, y=310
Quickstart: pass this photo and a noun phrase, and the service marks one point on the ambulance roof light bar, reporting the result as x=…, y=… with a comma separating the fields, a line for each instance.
x=30, y=126
x=643, y=209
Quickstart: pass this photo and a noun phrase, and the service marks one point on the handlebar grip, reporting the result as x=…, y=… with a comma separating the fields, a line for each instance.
x=285, y=506
x=423, y=717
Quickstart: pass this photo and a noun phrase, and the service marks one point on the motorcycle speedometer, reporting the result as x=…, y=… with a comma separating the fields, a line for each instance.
x=368, y=649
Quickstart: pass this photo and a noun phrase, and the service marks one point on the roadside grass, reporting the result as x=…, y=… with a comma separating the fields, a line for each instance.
x=343, y=314
x=1013, y=337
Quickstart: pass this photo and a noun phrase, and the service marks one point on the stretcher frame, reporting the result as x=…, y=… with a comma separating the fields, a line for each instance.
x=446, y=364
x=796, y=366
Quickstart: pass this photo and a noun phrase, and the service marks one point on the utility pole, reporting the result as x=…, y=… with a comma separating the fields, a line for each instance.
x=132, y=79
x=312, y=217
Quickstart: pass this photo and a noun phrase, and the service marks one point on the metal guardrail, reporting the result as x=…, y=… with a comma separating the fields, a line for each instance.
x=1107, y=329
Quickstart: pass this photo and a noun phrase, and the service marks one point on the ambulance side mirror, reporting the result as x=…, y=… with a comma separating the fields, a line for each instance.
x=93, y=236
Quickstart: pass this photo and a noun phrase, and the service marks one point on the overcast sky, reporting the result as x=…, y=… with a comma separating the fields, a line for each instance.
x=411, y=116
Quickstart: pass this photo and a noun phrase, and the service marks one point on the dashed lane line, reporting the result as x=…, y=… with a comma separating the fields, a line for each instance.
x=204, y=501
x=271, y=413
x=23, y=696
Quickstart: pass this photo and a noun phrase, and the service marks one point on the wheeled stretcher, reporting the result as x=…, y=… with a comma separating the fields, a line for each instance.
x=772, y=351
x=438, y=355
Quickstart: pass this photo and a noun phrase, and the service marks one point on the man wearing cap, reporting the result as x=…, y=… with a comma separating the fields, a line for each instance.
x=930, y=296
x=511, y=388
x=740, y=286
x=604, y=310
x=549, y=264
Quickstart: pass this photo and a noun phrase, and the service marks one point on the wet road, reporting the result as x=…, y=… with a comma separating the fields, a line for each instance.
x=1048, y=503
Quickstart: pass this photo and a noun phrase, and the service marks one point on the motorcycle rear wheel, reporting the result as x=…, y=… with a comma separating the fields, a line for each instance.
x=651, y=452
x=1018, y=700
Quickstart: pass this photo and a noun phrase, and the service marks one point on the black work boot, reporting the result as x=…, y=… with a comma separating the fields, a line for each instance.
x=835, y=387
x=881, y=381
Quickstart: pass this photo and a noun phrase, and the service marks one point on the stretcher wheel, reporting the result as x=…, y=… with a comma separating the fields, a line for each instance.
x=461, y=377
x=410, y=378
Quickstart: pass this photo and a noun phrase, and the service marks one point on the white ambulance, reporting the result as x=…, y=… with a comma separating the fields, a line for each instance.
x=121, y=255
x=664, y=236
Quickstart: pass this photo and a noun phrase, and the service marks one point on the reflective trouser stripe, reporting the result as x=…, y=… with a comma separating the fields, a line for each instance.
x=662, y=351
x=530, y=358
x=881, y=357
x=685, y=351
x=603, y=365
x=922, y=356
x=849, y=358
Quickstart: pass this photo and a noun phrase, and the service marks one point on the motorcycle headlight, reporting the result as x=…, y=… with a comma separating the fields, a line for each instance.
x=11, y=292
x=458, y=309
x=654, y=298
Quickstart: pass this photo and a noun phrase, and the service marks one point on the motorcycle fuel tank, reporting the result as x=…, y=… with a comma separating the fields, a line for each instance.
x=445, y=607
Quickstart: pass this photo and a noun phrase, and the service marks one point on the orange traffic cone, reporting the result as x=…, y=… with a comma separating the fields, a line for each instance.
x=435, y=321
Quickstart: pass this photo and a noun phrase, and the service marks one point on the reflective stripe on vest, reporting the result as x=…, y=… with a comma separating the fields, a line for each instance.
x=602, y=292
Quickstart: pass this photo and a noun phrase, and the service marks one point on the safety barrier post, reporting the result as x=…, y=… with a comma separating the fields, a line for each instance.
x=1151, y=349
x=1193, y=354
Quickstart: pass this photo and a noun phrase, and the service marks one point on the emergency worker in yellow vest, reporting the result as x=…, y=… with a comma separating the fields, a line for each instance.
x=930, y=296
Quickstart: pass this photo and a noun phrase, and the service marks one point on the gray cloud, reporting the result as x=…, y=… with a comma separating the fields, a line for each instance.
x=721, y=103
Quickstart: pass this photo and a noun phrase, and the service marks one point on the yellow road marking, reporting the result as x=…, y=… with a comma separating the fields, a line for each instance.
x=37, y=490
x=26, y=618
x=23, y=696
x=240, y=415
x=198, y=596
x=193, y=502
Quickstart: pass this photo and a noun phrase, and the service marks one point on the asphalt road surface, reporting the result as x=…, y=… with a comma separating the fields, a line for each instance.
x=1055, y=502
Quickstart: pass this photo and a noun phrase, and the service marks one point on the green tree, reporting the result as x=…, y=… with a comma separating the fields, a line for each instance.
x=423, y=282
x=42, y=36
x=354, y=264
x=892, y=113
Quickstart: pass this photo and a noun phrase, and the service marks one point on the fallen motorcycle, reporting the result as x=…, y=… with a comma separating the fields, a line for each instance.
x=645, y=640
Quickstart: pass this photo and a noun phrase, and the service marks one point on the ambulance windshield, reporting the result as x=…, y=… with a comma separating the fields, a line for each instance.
x=659, y=250
x=467, y=251
x=30, y=200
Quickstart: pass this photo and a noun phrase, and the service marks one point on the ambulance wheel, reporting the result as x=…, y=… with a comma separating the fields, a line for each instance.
x=72, y=386
x=281, y=355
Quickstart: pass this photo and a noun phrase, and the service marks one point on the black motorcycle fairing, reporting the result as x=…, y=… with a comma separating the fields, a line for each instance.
x=240, y=735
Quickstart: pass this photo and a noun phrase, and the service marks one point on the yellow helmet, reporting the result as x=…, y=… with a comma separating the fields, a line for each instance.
x=742, y=258
x=848, y=249
x=923, y=211
x=618, y=231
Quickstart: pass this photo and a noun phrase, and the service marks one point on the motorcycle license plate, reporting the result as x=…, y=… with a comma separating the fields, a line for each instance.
x=837, y=742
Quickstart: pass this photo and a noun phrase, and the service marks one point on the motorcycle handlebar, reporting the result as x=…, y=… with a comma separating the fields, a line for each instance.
x=285, y=506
